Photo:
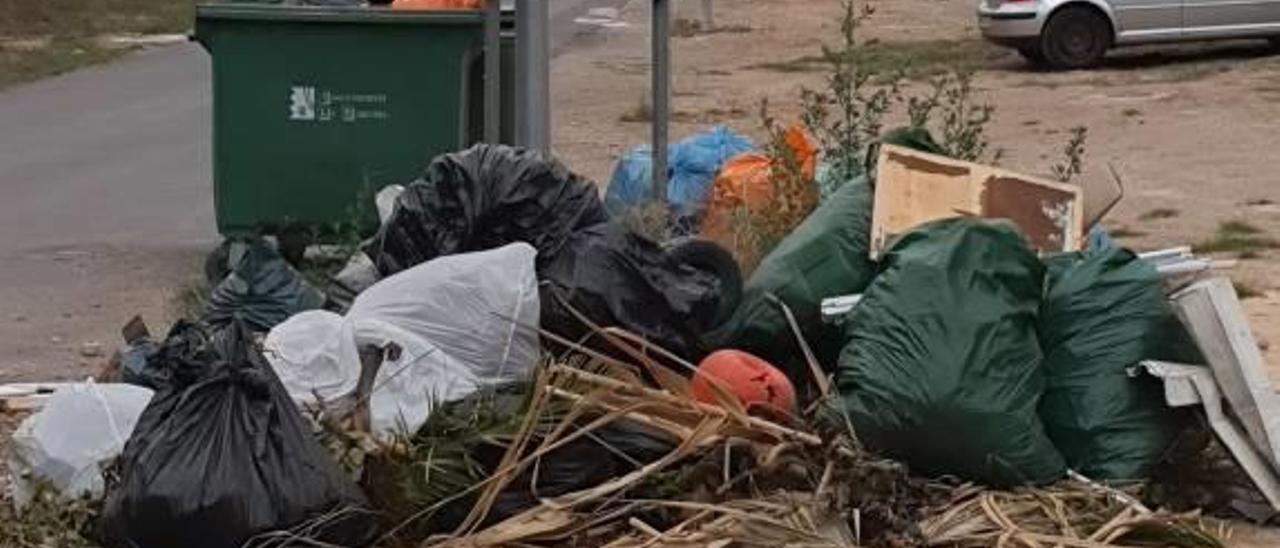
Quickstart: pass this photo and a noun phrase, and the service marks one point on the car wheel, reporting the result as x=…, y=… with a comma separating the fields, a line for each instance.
x=1076, y=37
x=1032, y=54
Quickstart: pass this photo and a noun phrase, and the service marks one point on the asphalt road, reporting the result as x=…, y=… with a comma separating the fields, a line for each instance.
x=120, y=154
x=106, y=198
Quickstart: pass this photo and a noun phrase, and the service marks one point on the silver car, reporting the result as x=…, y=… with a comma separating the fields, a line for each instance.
x=1076, y=33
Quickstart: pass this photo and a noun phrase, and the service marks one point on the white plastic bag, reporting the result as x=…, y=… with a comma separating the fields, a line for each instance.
x=80, y=427
x=466, y=305
x=455, y=321
x=314, y=353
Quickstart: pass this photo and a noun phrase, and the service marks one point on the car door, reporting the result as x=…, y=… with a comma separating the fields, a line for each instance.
x=1147, y=20
x=1228, y=18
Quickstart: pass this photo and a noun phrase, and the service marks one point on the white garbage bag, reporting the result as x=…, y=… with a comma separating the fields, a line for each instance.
x=456, y=320
x=314, y=354
x=80, y=428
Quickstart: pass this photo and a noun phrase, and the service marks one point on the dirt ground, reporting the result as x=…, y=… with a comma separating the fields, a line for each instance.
x=1186, y=127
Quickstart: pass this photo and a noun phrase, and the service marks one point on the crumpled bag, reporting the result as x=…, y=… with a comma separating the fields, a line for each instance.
x=314, y=354
x=262, y=289
x=222, y=455
x=485, y=197
x=64, y=445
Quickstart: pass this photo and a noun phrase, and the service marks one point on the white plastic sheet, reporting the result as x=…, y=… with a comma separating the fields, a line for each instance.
x=456, y=319
x=314, y=354
x=80, y=427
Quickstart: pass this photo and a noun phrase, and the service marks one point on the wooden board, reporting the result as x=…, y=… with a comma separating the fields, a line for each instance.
x=1212, y=313
x=913, y=188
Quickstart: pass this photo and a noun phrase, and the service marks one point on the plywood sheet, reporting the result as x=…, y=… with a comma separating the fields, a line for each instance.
x=913, y=188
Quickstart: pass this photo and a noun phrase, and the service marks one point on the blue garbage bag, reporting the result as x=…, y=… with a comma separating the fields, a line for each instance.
x=694, y=163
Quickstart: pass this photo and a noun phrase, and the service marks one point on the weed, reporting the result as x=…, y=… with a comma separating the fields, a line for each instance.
x=1239, y=237
x=1124, y=232
x=1158, y=213
x=1072, y=163
x=963, y=120
x=1130, y=112
x=642, y=111
x=913, y=59
x=1245, y=290
x=1259, y=202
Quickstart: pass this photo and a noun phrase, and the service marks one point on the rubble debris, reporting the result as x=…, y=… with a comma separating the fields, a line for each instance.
x=694, y=163
x=80, y=428
x=265, y=473
x=944, y=341
x=1212, y=313
x=914, y=187
x=91, y=349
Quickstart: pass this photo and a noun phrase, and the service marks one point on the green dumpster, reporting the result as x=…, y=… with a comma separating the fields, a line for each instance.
x=317, y=108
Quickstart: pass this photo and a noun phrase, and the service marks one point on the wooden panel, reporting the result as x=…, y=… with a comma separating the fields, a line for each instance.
x=913, y=188
x=1213, y=315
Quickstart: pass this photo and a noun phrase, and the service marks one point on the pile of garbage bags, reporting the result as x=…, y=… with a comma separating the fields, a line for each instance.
x=966, y=353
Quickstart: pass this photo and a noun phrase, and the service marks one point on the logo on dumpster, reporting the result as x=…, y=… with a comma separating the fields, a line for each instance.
x=308, y=104
x=302, y=103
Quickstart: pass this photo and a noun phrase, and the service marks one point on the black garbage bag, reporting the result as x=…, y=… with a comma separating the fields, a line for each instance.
x=221, y=454
x=1103, y=313
x=464, y=441
x=618, y=278
x=262, y=289
x=942, y=368
x=485, y=197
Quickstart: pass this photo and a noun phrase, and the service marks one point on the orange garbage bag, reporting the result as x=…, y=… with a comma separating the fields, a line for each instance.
x=747, y=191
x=427, y=5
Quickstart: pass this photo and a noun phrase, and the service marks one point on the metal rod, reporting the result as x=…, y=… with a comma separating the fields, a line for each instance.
x=492, y=71
x=708, y=18
x=533, y=113
x=660, y=37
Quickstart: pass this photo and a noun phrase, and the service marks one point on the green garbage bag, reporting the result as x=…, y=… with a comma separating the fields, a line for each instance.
x=824, y=257
x=1102, y=314
x=942, y=369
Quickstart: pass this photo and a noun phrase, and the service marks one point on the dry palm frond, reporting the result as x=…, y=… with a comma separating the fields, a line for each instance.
x=1070, y=514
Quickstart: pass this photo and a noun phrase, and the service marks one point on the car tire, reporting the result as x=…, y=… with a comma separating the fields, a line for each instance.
x=1033, y=55
x=1075, y=37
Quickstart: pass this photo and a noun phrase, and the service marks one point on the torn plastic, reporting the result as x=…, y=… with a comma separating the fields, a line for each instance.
x=222, y=455
x=262, y=289
x=942, y=368
x=80, y=429
x=486, y=197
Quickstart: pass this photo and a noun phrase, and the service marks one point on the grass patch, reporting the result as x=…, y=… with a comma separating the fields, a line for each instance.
x=1244, y=290
x=1158, y=213
x=45, y=38
x=1123, y=232
x=1239, y=237
x=914, y=59
x=1130, y=112
x=1259, y=202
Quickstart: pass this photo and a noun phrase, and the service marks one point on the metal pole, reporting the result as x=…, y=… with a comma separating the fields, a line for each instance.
x=708, y=21
x=533, y=114
x=660, y=37
x=492, y=70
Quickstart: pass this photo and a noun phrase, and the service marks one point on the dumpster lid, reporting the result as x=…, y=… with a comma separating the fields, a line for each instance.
x=333, y=14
